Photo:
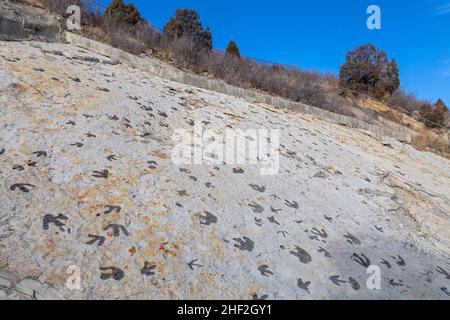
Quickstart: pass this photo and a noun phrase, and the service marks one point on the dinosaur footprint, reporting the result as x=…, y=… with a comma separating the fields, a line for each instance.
x=442, y=271
x=116, y=229
x=57, y=221
x=95, y=238
x=304, y=285
x=256, y=207
x=352, y=239
x=258, y=188
x=400, y=261
x=293, y=204
x=362, y=260
x=101, y=174
x=24, y=187
x=148, y=270
x=355, y=285
x=110, y=209
x=244, y=244
x=115, y=273
x=302, y=255
x=264, y=269
x=336, y=280
x=208, y=219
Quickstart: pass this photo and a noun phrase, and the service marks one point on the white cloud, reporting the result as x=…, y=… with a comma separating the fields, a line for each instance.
x=439, y=9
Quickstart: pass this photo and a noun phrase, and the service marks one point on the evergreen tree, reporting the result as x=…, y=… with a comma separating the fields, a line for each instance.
x=368, y=70
x=186, y=23
x=232, y=50
x=121, y=12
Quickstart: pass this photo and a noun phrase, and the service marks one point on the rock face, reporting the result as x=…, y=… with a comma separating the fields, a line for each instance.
x=23, y=22
x=92, y=206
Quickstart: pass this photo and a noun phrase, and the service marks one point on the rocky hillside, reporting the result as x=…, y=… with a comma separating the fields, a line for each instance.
x=28, y=22
x=89, y=188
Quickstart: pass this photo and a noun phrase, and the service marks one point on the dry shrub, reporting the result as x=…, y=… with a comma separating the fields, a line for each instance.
x=391, y=115
x=434, y=116
x=433, y=141
x=60, y=6
x=187, y=54
x=131, y=38
x=290, y=83
x=96, y=33
x=120, y=36
x=34, y=3
x=405, y=101
x=126, y=42
x=147, y=35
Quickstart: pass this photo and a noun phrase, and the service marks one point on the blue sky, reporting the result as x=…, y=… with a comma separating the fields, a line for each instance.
x=316, y=34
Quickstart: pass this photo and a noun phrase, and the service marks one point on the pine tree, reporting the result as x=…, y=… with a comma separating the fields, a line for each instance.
x=393, y=78
x=368, y=70
x=124, y=13
x=186, y=23
x=233, y=50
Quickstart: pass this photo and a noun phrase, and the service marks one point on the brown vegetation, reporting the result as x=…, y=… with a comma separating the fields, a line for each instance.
x=435, y=116
x=405, y=101
x=368, y=70
x=232, y=50
x=433, y=141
